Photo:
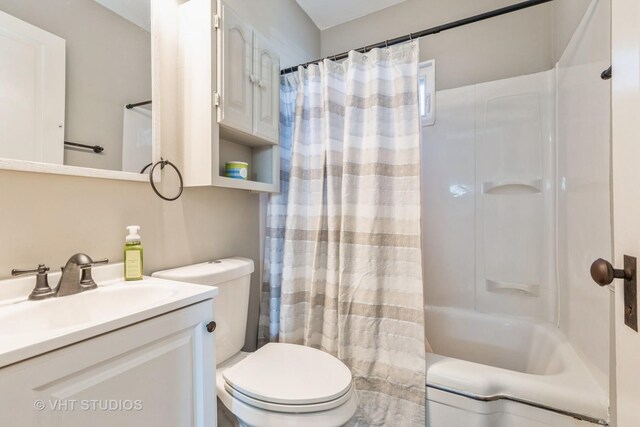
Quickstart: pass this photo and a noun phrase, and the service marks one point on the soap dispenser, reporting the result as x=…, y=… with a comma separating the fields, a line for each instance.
x=133, y=254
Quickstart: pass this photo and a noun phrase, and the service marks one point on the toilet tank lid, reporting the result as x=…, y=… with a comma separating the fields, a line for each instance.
x=209, y=273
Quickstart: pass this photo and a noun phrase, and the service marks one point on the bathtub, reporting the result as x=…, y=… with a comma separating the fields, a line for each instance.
x=494, y=371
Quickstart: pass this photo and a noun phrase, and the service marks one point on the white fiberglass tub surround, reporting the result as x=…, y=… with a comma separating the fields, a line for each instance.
x=497, y=371
x=514, y=172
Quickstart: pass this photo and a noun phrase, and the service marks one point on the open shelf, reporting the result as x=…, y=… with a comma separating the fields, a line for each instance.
x=527, y=289
x=264, y=165
x=243, y=184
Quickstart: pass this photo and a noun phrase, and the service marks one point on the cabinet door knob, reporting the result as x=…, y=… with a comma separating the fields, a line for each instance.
x=211, y=326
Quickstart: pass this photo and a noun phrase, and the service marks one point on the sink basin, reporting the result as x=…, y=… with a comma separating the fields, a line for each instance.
x=29, y=328
x=57, y=314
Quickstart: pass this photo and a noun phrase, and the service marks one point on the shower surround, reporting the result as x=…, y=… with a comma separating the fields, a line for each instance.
x=515, y=189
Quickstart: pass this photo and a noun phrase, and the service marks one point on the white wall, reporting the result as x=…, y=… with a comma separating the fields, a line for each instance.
x=108, y=66
x=47, y=218
x=584, y=222
x=511, y=45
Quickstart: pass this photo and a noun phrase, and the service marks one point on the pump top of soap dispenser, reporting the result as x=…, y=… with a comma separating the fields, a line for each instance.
x=133, y=234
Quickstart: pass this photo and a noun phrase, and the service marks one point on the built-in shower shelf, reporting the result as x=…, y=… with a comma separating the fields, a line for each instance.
x=526, y=289
x=512, y=186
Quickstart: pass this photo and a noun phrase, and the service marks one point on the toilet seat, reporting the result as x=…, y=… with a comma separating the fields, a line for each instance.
x=289, y=409
x=289, y=378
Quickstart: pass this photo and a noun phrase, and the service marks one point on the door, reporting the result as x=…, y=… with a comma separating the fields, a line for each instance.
x=32, y=90
x=235, y=64
x=266, y=98
x=626, y=199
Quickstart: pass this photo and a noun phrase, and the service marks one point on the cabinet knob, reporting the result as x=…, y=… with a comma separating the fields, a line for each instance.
x=211, y=326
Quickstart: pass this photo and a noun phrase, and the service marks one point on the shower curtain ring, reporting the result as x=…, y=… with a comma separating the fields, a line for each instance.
x=386, y=43
x=411, y=37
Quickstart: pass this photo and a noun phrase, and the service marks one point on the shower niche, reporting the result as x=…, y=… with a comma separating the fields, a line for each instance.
x=514, y=230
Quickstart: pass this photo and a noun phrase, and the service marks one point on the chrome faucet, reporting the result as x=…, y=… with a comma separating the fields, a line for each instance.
x=75, y=278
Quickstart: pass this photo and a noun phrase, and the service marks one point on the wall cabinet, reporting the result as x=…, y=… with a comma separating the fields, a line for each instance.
x=248, y=79
x=157, y=372
x=229, y=84
x=236, y=82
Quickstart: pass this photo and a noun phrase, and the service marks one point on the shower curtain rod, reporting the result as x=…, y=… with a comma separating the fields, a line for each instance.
x=427, y=32
x=138, y=104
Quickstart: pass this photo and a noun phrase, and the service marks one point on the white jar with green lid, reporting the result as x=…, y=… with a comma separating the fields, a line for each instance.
x=236, y=170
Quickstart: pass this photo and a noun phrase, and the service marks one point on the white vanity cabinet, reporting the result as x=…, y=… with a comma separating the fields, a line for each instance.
x=248, y=78
x=158, y=372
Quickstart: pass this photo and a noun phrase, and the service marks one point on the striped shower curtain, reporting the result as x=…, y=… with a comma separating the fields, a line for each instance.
x=352, y=277
x=269, y=323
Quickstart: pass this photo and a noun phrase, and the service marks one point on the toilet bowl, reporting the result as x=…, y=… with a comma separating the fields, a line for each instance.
x=279, y=385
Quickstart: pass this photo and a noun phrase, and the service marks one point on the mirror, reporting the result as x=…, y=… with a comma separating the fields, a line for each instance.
x=76, y=84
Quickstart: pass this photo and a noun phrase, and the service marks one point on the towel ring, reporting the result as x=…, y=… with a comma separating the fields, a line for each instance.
x=162, y=163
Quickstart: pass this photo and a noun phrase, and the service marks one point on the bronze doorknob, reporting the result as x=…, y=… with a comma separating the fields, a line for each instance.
x=603, y=273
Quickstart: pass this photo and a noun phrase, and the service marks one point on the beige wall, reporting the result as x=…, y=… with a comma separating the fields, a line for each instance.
x=290, y=31
x=47, y=218
x=507, y=46
x=567, y=14
x=108, y=65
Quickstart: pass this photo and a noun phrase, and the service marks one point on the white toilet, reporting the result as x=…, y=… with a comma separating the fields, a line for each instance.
x=279, y=385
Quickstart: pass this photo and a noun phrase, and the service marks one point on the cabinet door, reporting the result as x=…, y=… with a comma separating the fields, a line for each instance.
x=266, y=99
x=160, y=372
x=234, y=71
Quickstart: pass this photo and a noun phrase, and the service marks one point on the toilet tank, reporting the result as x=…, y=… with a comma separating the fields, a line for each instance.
x=232, y=276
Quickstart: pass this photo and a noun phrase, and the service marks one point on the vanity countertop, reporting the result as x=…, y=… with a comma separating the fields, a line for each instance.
x=31, y=328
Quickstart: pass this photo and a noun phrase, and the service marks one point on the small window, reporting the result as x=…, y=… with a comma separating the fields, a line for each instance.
x=427, y=92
